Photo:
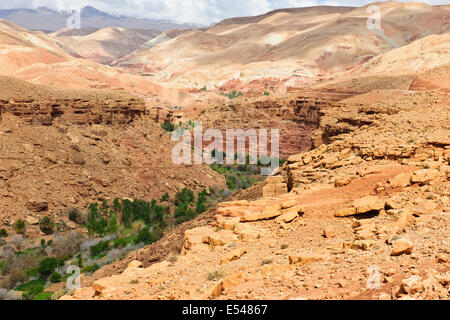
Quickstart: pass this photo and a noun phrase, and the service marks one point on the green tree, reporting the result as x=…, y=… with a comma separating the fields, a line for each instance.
x=55, y=277
x=47, y=267
x=112, y=225
x=47, y=225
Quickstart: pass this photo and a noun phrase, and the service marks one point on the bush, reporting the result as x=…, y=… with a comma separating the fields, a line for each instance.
x=47, y=225
x=99, y=248
x=48, y=266
x=3, y=233
x=90, y=269
x=67, y=245
x=144, y=236
x=186, y=196
x=147, y=237
x=267, y=93
x=55, y=277
x=167, y=126
x=20, y=227
x=165, y=197
x=74, y=215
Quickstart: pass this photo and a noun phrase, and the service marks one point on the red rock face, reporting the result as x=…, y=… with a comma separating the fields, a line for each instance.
x=75, y=111
x=296, y=118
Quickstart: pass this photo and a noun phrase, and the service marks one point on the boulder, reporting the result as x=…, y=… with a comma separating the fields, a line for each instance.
x=247, y=232
x=401, y=180
x=37, y=206
x=424, y=176
x=346, y=212
x=401, y=246
x=273, y=190
x=270, y=212
x=369, y=204
x=307, y=257
x=32, y=221
x=233, y=255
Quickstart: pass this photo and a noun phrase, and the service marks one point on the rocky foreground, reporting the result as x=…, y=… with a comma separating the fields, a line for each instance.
x=364, y=216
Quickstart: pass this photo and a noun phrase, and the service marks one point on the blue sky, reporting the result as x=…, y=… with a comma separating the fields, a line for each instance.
x=196, y=11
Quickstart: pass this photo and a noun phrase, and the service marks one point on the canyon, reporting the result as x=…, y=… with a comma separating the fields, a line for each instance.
x=359, y=208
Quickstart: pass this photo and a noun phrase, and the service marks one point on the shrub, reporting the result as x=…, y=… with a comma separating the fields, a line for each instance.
x=3, y=233
x=186, y=196
x=144, y=236
x=67, y=245
x=20, y=227
x=99, y=248
x=74, y=215
x=55, y=277
x=167, y=126
x=165, y=197
x=267, y=93
x=215, y=275
x=47, y=267
x=47, y=225
x=90, y=269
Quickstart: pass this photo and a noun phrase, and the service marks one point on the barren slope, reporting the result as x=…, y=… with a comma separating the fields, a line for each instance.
x=36, y=57
x=373, y=198
x=63, y=149
x=297, y=47
x=104, y=45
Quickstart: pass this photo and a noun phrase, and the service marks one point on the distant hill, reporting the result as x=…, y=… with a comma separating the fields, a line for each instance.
x=45, y=19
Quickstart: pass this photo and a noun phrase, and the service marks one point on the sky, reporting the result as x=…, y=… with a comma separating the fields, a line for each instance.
x=193, y=11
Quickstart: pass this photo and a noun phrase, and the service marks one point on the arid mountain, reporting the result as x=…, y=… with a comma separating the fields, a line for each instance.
x=104, y=45
x=419, y=56
x=39, y=58
x=45, y=19
x=375, y=194
x=297, y=47
x=82, y=145
x=364, y=184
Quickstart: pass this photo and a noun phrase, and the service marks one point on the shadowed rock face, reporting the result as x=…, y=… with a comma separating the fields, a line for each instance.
x=41, y=105
x=74, y=111
x=296, y=116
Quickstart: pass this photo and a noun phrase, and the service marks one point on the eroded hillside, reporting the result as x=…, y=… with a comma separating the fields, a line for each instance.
x=372, y=204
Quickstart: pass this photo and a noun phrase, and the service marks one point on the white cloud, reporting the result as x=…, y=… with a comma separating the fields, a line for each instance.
x=197, y=11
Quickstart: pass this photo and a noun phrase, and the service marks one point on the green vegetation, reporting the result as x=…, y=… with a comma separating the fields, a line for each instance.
x=47, y=267
x=266, y=93
x=55, y=277
x=203, y=88
x=32, y=289
x=20, y=226
x=44, y=296
x=99, y=249
x=47, y=225
x=3, y=233
x=75, y=215
x=167, y=126
x=90, y=268
x=234, y=94
x=115, y=228
x=165, y=197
